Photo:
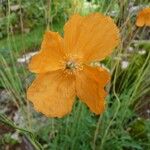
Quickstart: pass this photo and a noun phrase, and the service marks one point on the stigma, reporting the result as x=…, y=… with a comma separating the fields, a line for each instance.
x=71, y=65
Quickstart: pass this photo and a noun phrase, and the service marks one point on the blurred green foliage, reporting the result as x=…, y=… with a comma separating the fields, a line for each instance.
x=23, y=16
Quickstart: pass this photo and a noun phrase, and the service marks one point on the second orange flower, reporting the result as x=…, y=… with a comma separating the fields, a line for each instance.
x=143, y=18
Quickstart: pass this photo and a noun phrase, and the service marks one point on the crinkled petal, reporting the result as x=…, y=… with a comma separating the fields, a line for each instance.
x=140, y=20
x=90, y=83
x=143, y=18
x=95, y=37
x=50, y=56
x=72, y=31
x=148, y=19
x=53, y=93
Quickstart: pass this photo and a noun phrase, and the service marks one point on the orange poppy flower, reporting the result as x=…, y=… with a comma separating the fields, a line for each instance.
x=143, y=18
x=63, y=65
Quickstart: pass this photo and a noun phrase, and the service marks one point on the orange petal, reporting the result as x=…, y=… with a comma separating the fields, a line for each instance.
x=96, y=36
x=148, y=18
x=50, y=55
x=90, y=83
x=148, y=22
x=143, y=17
x=140, y=21
x=71, y=32
x=53, y=93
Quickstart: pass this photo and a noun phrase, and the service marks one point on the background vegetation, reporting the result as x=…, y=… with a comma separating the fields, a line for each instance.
x=125, y=123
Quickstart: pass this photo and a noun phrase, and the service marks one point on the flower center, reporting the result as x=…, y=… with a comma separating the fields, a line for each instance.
x=71, y=65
